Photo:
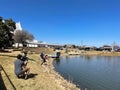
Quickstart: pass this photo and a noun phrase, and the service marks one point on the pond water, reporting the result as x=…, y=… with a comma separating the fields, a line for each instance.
x=90, y=72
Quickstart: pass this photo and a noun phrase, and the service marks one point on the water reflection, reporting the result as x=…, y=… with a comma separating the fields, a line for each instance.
x=88, y=58
x=57, y=60
x=91, y=72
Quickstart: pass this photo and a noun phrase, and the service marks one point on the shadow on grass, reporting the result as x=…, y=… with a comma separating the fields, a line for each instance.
x=31, y=75
x=2, y=85
x=8, y=55
x=31, y=59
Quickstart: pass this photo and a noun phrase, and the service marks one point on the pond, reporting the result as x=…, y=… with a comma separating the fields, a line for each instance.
x=90, y=72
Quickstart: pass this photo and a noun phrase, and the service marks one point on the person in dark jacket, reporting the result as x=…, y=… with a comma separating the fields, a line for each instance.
x=42, y=56
x=24, y=58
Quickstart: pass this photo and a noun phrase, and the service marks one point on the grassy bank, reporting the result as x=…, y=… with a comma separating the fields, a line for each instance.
x=42, y=77
x=102, y=53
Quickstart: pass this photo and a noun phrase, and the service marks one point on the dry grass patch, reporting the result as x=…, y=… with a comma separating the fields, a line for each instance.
x=103, y=53
x=44, y=76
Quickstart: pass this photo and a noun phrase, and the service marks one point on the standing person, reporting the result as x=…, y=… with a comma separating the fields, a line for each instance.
x=18, y=68
x=42, y=56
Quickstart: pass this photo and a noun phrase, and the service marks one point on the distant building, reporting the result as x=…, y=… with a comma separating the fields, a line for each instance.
x=34, y=43
x=107, y=47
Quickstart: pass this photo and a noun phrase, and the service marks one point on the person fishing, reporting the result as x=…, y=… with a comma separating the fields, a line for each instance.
x=43, y=57
x=19, y=68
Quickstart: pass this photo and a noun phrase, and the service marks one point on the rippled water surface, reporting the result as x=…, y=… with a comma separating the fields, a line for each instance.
x=90, y=72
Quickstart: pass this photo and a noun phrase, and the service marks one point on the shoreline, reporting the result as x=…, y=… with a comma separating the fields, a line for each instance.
x=47, y=78
x=88, y=53
x=95, y=53
x=64, y=83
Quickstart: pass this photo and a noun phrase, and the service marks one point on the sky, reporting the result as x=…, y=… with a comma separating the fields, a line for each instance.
x=79, y=22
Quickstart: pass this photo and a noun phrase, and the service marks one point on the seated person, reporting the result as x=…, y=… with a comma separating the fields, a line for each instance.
x=24, y=58
x=19, y=68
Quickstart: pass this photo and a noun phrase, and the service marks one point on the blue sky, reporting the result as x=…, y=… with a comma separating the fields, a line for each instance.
x=87, y=22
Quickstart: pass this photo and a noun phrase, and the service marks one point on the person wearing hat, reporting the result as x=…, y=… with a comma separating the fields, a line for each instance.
x=18, y=68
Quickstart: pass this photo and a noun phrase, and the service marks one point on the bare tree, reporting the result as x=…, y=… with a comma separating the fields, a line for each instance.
x=115, y=46
x=22, y=36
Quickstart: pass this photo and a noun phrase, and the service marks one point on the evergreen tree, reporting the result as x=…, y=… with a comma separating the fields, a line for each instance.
x=7, y=27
